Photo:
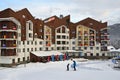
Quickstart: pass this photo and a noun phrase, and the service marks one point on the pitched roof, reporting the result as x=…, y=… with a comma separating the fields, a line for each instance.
x=7, y=13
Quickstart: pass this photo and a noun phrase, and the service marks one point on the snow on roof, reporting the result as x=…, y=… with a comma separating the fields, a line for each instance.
x=46, y=53
x=110, y=48
x=73, y=51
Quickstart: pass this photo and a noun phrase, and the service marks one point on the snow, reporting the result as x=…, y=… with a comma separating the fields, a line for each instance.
x=46, y=53
x=89, y=70
x=112, y=49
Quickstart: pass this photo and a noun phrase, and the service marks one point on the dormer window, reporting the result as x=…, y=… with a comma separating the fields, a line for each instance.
x=91, y=23
x=23, y=16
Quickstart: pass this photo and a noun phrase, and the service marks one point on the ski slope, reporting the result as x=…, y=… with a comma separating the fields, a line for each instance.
x=89, y=70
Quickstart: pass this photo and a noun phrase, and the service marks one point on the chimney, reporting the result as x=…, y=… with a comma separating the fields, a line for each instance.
x=61, y=16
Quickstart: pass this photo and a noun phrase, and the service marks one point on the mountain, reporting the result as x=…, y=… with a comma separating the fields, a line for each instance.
x=114, y=31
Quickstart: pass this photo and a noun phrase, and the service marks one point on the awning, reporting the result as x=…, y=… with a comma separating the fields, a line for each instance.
x=73, y=51
x=46, y=53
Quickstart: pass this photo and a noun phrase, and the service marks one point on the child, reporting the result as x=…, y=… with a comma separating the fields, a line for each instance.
x=68, y=67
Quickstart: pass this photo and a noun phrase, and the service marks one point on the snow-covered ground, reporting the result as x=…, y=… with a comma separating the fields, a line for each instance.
x=90, y=70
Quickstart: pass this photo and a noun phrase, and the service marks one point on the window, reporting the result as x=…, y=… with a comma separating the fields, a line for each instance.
x=85, y=54
x=40, y=49
x=28, y=58
x=31, y=49
x=97, y=48
x=58, y=30
x=23, y=58
x=40, y=42
x=28, y=42
x=63, y=48
x=18, y=60
x=97, y=54
x=13, y=60
x=46, y=49
x=103, y=54
x=79, y=48
x=58, y=48
x=19, y=50
x=32, y=42
x=52, y=48
x=58, y=37
x=67, y=42
x=63, y=42
x=63, y=29
x=91, y=48
x=30, y=35
x=19, y=43
x=23, y=16
x=73, y=42
x=35, y=49
x=73, y=48
x=67, y=37
x=35, y=42
x=3, y=52
x=23, y=49
x=58, y=42
x=23, y=42
x=63, y=37
x=30, y=26
x=4, y=26
x=91, y=54
x=91, y=23
x=28, y=49
x=85, y=48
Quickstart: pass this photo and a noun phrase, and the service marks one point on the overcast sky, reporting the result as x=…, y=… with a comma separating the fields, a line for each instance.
x=105, y=10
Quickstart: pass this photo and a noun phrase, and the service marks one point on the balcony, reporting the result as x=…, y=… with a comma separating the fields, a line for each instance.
x=80, y=44
x=11, y=29
x=92, y=34
x=48, y=44
x=86, y=38
x=8, y=52
x=8, y=45
x=85, y=44
x=104, y=34
x=92, y=43
x=92, y=39
x=104, y=49
x=7, y=37
x=48, y=33
x=79, y=33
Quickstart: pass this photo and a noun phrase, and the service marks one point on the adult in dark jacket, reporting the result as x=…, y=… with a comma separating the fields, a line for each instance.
x=74, y=65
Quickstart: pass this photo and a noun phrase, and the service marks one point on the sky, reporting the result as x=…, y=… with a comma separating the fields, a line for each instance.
x=101, y=10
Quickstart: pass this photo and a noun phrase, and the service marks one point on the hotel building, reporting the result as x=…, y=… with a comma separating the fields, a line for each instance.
x=21, y=33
